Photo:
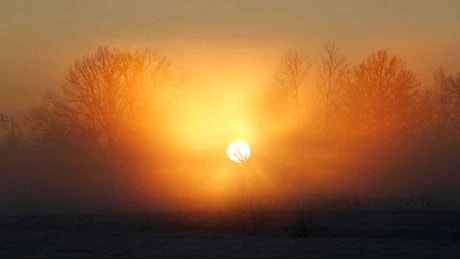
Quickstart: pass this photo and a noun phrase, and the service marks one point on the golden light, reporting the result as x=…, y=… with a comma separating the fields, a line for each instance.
x=238, y=151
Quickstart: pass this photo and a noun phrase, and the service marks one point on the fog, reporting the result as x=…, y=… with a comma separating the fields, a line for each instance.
x=170, y=154
x=134, y=113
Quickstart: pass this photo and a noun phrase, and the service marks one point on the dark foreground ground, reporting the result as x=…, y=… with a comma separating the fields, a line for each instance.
x=55, y=244
x=338, y=235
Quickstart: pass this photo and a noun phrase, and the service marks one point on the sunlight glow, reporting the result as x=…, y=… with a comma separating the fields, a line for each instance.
x=238, y=151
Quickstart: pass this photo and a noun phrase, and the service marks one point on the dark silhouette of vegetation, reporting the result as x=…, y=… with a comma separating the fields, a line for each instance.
x=292, y=71
x=251, y=216
x=79, y=137
x=380, y=94
x=86, y=138
x=105, y=96
x=303, y=225
x=13, y=132
x=447, y=103
x=333, y=72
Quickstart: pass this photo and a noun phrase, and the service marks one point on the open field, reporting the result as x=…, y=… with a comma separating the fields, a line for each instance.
x=213, y=235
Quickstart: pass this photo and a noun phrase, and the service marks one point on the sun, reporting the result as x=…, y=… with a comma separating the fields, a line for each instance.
x=238, y=151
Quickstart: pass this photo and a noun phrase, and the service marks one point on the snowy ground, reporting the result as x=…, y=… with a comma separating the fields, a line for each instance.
x=338, y=236
x=180, y=245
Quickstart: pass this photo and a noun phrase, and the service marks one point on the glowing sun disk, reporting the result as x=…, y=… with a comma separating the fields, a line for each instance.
x=238, y=151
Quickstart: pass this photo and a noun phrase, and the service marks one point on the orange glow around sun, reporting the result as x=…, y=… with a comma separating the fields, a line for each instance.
x=212, y=112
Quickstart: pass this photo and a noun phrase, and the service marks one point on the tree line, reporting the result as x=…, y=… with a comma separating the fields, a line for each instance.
x=111, y=95
x=379, y=95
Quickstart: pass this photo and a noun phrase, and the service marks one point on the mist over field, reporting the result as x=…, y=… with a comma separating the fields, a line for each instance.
x=142, y=123
x=117, y=117
x=124, y=131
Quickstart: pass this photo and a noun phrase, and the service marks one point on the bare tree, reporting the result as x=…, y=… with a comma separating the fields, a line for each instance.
x=332, y=72
x=3, y=120
x=447, y=96
x=381, y=92
x=106, y=94
x=3, y=125
x=14, y=131
x=292, y=71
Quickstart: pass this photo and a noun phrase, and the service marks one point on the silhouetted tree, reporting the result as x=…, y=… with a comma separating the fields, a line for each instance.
x=3, y=126
x=332, y=72
x=292, y=71
x=381, y=93
x=423, y=116
x=447, y=96
x=13, y=131
x=3, y=120
x=104, y=95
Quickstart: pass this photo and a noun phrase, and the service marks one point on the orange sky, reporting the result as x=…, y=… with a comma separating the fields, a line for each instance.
x=214, y=40
x=224, y=56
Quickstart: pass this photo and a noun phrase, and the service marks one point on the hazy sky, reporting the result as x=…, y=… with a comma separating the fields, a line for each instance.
x=39, y=39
